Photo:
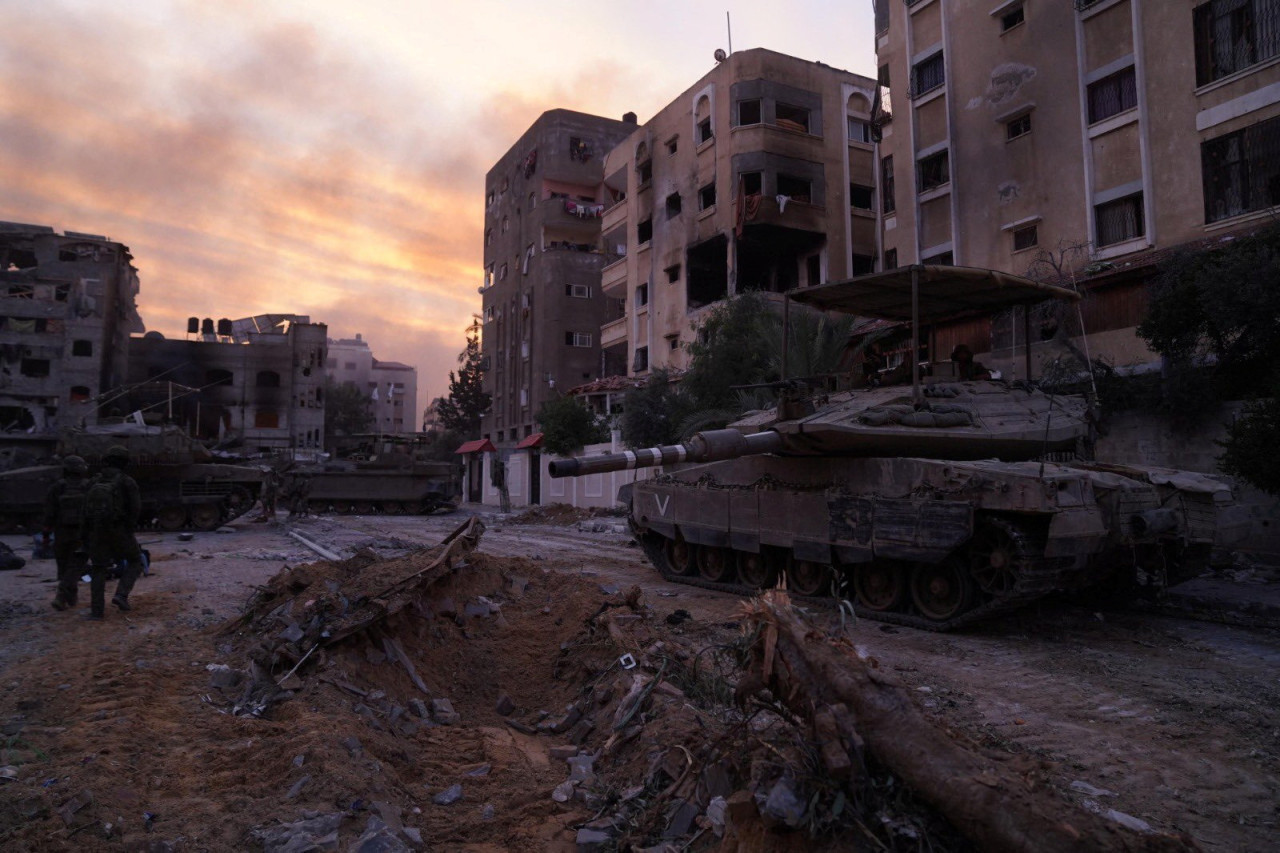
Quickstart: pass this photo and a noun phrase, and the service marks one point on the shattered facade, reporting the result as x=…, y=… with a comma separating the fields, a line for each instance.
x=67, y=307
x=760, y=176
x=257, y=385
x=392, y=387
x=1100, y=134
x=542, y=304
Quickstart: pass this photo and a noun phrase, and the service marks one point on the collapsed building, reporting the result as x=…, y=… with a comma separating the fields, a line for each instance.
x=256, y=383
x=67, y=308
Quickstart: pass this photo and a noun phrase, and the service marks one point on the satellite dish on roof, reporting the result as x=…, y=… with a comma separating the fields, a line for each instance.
x=720, y=55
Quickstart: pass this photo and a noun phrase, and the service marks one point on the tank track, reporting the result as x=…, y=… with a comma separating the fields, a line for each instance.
x=1037, y=577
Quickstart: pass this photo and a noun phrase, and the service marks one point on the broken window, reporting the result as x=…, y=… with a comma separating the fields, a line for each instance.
x=644, y=172
x=1119, y=220
x=217, y=377
x=1231, y=35
x=1113, y=94
x=927, y=75
x=35, y=367
x=861, y=264
x=578, y=291
x=268, y=379
x=704, y=130
x=935, y=170
x=943, y=259
x=22, y=259
x=813, y=270
x=79, y=393
x=1025, y=238
x=791, y=117
x=749, y=111
x=752, y=183
x=577, y=339
x=579, y=149
x=266, y=419
x=502, y=273
x=860, y=197
x=673, y=273
x=82, y=348
x=1012, y=18
x=797, y=189
x=891, y=259
x=642, y=295
x=707, y=272
x=642, y=359
x=533, y=200
x=61, y=292
x=673, y=144
x=887, y=203
x=1019, y=126
x=644, y=231
x=22, y=291
x=707, y=197
x=673, y=205
x=1241, y=171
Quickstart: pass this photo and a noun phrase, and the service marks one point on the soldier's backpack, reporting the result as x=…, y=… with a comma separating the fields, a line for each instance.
x=102, y=502
x=71, y=504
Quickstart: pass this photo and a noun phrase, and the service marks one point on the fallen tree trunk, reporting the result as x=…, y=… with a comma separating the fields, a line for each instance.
x=824, y=680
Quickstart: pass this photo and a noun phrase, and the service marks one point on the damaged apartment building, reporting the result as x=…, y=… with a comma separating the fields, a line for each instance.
x=256, y=384
x=541, y=300
x=67, y=308
x=1098, y=136
x=758, y=177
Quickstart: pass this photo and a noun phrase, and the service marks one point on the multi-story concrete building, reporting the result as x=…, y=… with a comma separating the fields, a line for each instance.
x=67, y=307
x=257, y=381
x=542, y=305
x=760, y=176
x=392, y=387
x=1092, y=134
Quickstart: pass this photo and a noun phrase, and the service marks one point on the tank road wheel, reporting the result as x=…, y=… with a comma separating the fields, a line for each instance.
x=880, y=586
x=758, y=571
x=171, y=517
x=342, y=507
x=363, y=508
x=206, y=516
x=238, y=501
x=806, y=577
x=715, y=564
x=317, y=507
x=941, y=591
x=680, y=556
x=392, y=507
x=994, y=556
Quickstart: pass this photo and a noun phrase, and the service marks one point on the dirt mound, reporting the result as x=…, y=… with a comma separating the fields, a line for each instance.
x=562, y=514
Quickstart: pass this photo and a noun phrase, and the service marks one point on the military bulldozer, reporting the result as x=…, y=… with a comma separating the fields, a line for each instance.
x=934, y=505
x=181, y=483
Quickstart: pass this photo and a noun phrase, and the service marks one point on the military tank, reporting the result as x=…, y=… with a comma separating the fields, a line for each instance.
x=934, y=505
x=181, y=484
x=408, y=487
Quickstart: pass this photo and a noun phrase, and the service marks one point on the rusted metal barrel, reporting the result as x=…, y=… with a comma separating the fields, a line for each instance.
x=709, y=446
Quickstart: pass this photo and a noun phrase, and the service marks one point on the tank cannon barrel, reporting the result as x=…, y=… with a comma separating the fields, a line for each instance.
x=709, y=446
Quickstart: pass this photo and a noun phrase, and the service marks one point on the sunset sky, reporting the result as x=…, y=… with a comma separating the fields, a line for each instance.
x=328, y=158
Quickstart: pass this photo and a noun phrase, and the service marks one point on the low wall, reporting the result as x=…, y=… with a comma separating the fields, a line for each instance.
x=1143, y=438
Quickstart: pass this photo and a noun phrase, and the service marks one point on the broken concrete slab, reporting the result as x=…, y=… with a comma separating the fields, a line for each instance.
x=442, y=712
x=310, y=834
x=67, y=811
x=592, y=840
x=297, y=787
x=448, y=796
x=563, y=753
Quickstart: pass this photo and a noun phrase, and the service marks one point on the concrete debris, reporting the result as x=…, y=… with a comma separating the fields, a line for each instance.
x=67, y=811
x=297, y=787
x=681, y=820
x=1127, y=821
x=414, y=835
x=592, y=840
x=378, y=837
x=582, y=768
x=1090, y=791
x=222, y=676
x=448, y=796
x=563, y=792
x=442, y=712
x=782, y=804
x=353, y=745
x=303, y=836
x=717, y=811
x=505, y=706
x=563, y=753
x=419, y=708
x=477, y=770
x=8, y=773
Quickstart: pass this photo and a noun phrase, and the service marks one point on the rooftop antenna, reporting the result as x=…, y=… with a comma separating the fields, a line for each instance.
x=728, y=25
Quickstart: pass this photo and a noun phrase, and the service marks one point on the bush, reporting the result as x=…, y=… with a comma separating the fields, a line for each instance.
x=567, y=425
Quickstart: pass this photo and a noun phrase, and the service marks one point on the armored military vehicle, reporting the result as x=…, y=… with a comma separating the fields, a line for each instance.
x=181, y=483
x=933, y=505
x=393, y=487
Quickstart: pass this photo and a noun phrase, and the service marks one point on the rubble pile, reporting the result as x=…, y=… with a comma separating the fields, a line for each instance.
x=563, y=514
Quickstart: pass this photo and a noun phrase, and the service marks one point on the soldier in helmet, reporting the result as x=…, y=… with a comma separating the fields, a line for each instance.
x=63, y=517
x=112, y=504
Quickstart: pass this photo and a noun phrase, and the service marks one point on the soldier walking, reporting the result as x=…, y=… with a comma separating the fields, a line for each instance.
x=270, y=491
x=64, y=518
x=112, y=505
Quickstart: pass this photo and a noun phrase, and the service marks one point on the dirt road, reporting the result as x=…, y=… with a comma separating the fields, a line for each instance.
x=1169, y=721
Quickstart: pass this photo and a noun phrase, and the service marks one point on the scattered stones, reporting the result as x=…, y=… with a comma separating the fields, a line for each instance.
x=291, y=634
x=448, y=796
x=562, y=724
x=419, y=708
x=563, y=792
x=67, y=811
x=590, y=840
x=1090, y=791
x=442, y=712
x=8, y=773
x=563, y=753
x=353, y=745
x=1127, y=821
x=582, y=768
x=414, y=835
x=681, y=820
x=319, y=833
x=477, y=770
x=716, y=815
x=224, y=677
x=505, y=705
x=299, y=760
x=297, y=787
x=782, y=804
x=378, y=838
x=517, y=585
x=678, y=617
x=446, y=608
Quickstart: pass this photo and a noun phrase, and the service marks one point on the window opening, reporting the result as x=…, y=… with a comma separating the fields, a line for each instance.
x=644, y=231
x=798, y=189
x=791, y=117
x=673, y=205
x=859, y=130
x=704, y=130
x=935, y=170
x=1112, y=95
x=577, y=339
x=749, y=111
x=1242, y=171
x=752, y=183
x=886, y=185
x=82, y=348
x=707, y=197
x=642, y=359
x=1025, y=238
x=860, y=197
x=1019, y=126
x=1119, y=220
x=1231, y=35
x=927, y=75
x=1012, y=18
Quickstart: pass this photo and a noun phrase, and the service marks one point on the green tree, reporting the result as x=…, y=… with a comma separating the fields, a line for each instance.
x=347, y=411
x=460, y=411
x=567, y=425
x=1250, y=446
x=736, y=345
x=652, y=413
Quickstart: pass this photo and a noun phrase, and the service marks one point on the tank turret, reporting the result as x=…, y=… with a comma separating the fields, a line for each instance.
x=935, y=504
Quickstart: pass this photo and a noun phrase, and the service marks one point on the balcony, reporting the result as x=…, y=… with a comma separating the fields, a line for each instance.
x=614, y=276
x=615, y=216
x=613, y=332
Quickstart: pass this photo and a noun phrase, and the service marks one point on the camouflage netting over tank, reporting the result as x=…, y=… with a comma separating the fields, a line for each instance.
x=144, y=443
